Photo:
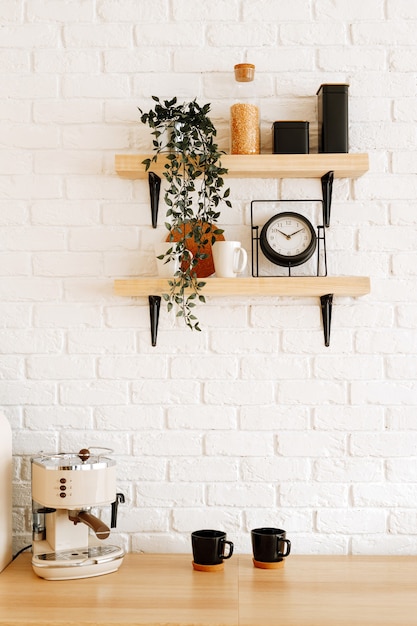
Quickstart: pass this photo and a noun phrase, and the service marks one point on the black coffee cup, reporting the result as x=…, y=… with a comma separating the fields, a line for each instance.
x=209, y=547
x=270, y=545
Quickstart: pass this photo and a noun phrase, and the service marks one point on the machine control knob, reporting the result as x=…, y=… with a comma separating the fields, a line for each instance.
x=84, y=454
x=62, y=494
x=62, y=480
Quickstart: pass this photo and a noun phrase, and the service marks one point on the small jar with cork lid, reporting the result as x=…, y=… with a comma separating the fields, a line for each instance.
x=244, y=113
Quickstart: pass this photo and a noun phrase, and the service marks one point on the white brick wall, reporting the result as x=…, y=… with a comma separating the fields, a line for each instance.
x=253, y=421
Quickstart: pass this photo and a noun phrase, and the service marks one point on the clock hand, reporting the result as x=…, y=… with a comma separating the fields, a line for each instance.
x=285, y=234
x=297, y=231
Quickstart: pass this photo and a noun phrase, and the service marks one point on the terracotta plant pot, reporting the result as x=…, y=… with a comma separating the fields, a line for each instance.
x=204, y=267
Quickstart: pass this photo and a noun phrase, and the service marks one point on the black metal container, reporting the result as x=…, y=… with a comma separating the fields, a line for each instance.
x=333, y=119
x=290, y=138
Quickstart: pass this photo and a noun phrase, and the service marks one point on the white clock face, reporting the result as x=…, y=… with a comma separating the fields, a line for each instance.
x=288, y=236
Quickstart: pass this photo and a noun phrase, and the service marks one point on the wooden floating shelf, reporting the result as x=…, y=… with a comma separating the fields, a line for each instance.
x=343, y=165
x=283, y=286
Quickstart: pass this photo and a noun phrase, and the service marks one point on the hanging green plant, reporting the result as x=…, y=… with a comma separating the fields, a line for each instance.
x=186, y=135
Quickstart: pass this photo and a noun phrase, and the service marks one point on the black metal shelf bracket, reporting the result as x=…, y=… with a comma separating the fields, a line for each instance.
x=154, y=307
x=154, y=189
x=326, y=302
x=327, y=189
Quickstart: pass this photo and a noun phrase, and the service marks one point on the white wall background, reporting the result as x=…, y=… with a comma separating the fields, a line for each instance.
x=252, y=421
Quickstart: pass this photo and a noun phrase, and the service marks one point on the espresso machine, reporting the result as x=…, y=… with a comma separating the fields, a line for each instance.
x=68, y=539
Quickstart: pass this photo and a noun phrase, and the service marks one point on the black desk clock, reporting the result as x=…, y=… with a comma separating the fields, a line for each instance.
x=288, y=239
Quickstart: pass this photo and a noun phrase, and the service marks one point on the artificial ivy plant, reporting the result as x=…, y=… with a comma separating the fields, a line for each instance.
x=186, y=135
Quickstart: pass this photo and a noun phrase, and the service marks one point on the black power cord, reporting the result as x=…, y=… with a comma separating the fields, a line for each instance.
x=20, y=551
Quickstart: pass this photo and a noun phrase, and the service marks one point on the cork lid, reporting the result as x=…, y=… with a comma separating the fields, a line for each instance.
x=244, y=72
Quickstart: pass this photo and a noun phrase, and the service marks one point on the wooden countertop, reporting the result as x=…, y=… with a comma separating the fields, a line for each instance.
x=147, y=589
x=162, y=590
x=330, y=591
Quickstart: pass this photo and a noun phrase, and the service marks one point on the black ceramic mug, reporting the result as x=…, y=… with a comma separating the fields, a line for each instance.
x=270, y=545
x=210, y=547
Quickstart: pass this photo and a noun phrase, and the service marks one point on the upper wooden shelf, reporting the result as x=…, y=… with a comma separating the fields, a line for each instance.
x=343, y=165
x=282, y=286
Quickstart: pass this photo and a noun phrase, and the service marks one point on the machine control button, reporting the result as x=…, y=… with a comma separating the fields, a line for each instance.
x=62, y=488
x=62, y=480
x=62, y=494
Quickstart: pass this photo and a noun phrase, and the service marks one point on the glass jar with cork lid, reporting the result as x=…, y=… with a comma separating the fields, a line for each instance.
x=244, y=113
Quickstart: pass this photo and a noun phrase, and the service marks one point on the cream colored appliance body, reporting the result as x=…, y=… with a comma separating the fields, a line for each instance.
x=5, y=493
x=68, y=539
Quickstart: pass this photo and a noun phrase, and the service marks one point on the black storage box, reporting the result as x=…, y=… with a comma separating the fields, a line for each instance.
x=290, y=138
x=333, y=121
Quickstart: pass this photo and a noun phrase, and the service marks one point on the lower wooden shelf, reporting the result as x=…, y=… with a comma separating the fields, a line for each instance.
x=324, y=287
x=353, y=286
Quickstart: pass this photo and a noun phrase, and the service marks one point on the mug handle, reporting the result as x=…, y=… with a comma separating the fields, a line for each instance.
x=242, y=260
x=189, y=254
x=230, y=544
x=288, y=550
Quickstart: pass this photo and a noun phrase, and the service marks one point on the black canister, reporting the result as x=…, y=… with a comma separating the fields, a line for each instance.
x=333, y=119
x=290, y=137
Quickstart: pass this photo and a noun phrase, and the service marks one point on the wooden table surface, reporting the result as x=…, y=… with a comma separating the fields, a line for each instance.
x=330, y=591
x=162, y=590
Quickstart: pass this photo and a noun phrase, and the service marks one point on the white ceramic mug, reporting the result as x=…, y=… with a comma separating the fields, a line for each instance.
x=168, y=267
x=229, y=258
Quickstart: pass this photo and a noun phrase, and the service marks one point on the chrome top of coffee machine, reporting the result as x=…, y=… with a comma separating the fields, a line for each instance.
x=68, y=540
